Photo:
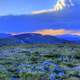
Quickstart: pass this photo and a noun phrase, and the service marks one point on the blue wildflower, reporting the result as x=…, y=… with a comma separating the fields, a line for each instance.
x=52, y=76
x=61, y=74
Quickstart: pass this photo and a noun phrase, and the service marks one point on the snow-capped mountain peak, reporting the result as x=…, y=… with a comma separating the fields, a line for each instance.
x=61, y=4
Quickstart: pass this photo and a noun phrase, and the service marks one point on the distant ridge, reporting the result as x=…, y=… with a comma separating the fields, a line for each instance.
x=31, y=38
x=69, y=37
x=5, y=35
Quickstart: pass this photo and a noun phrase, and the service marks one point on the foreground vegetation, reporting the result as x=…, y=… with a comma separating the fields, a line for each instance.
x=40, y=62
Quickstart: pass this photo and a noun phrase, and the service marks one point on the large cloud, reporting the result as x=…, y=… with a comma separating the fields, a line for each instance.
x=52, y=32
x=57, y=7
x=57, y=32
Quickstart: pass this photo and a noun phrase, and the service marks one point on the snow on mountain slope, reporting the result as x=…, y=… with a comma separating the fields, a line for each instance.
x=61, y=4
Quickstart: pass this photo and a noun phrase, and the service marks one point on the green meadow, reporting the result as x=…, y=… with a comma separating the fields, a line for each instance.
x=40, y=62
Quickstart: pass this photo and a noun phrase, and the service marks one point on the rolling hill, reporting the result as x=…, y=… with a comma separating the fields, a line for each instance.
x=31, y=38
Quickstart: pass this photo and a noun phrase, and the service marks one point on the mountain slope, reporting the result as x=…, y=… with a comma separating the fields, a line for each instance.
x=31, y=38
x=4, y=35
x=69, y=37
x=61, y=4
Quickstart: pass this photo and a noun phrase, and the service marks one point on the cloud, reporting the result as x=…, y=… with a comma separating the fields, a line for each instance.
x=57, y=7
x=76, y=33
x=39, y=12
x=42, y=11
x=52, y=32
x=57, y=32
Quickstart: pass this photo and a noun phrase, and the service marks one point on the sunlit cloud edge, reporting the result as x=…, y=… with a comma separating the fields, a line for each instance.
x=52, y=32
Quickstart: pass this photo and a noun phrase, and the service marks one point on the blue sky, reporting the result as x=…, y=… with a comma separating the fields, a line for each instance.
x=13, y=7
x=8, y=7
x=34, y=23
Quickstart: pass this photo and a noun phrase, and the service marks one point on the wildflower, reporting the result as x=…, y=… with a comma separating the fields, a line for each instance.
x=61, y=74
x=52, y=76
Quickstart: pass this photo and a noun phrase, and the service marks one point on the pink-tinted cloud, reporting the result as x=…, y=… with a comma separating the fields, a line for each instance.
x=52, y=32
x=57, y=32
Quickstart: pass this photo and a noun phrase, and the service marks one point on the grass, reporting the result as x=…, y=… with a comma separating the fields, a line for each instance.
x=26, y=61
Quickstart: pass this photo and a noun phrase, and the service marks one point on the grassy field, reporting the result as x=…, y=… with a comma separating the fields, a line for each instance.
x=40, y=62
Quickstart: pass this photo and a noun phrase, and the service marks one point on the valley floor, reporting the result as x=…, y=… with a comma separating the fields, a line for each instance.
x=40, y=62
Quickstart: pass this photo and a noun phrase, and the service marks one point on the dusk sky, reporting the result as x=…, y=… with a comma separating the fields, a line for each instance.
x=62, y=22
x=23, y=6
x=13, y=7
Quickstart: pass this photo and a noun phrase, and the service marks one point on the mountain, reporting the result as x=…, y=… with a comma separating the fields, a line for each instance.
x=31, y=38
x=62, y=4
x=69, y=37
x=4, y=35
x=59, y=6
